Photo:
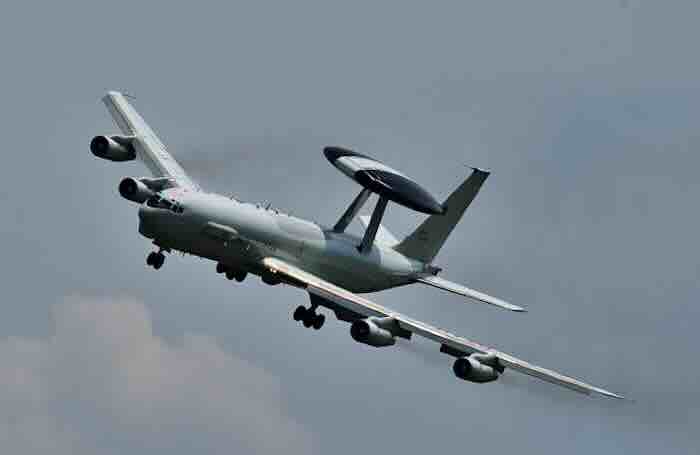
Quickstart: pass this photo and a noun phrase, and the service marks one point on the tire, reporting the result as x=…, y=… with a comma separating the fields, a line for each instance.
x=308, y=320
x=299, y=313
x=229, y=275
x=318, y=321
x=220, y=268
x=158, y=260
x=150, y=258
x=240, y=276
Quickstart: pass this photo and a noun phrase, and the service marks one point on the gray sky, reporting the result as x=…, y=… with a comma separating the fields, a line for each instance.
x=586, y=112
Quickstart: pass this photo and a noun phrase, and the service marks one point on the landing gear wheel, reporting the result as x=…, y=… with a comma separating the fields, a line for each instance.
x=240, y=276
x=220, y=268
x=318, y=321
x=299, y=313
x=309, y=317
x=230, y=275
x=151, y=258
x=158, y=261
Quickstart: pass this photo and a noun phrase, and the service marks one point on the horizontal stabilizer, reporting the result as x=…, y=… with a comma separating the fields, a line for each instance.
x=446, y=285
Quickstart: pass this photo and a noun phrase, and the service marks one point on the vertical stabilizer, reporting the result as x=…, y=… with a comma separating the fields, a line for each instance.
x=425, y=242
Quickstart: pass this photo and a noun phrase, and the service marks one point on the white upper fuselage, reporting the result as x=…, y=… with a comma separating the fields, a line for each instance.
x=269, y=233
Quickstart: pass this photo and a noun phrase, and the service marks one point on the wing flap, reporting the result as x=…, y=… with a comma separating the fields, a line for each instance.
x=360, y=305
x=459, y=289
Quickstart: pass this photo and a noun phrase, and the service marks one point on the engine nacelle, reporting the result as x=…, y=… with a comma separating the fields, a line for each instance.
x=270, y=278
x=113, y=148
x=134, y=190
x=478, y=368
x=369, y=331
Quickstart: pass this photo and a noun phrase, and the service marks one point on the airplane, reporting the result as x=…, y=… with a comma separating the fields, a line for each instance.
x=330, y=264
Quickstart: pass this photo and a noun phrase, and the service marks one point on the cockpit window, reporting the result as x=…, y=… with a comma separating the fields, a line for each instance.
x=159, y=202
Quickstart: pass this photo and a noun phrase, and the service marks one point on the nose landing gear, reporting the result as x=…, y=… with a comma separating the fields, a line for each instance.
x=155, y=260
x=309, y=317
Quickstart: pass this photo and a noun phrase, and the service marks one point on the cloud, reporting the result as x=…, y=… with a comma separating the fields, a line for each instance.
x=104, y=383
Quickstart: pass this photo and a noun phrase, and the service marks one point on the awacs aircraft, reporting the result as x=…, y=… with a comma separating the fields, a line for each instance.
x=331, y=265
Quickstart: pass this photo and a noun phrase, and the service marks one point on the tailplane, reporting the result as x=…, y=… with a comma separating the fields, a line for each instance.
x=425, y=242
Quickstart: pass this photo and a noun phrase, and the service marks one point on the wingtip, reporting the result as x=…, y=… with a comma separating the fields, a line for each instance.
x=478, y=169
x=614, y=395
x=607, y=393
x=511, y=307
x=111, y=93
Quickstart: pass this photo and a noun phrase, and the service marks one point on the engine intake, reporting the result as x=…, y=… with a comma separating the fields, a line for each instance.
x=135, y=190
x=113, y=148
x=377, y=332
x=478, y=368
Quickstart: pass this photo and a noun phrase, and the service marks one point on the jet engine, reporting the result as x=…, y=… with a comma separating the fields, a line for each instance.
x=478, y=368
x=113, y=148
x=373, y=331
x=135, y=190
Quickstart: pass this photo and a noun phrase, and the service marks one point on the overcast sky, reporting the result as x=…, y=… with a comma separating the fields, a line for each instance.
x=586, y=112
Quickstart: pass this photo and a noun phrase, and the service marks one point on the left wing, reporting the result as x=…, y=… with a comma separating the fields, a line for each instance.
x=450, y=343
x=148, y=147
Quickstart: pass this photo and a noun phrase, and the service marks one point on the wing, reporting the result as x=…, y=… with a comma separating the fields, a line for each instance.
x=446, y=285
x=450, y=343
x=148, y=147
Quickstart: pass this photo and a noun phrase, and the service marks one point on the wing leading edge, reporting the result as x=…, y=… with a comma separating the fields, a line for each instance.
x=366, y=308
x=149, y=149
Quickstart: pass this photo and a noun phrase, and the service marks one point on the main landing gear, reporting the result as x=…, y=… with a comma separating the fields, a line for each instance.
x=309, y=317
x=231, y=274
x=155, y=260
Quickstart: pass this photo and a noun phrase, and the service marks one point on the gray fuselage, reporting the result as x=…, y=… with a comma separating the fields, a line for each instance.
x=264, y=232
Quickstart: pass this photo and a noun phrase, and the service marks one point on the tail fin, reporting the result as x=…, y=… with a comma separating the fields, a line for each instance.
x=425, y=242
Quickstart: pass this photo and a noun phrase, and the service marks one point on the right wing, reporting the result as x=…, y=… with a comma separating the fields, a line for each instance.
x=148, y=147
x=450, y=343
x=455, y=288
